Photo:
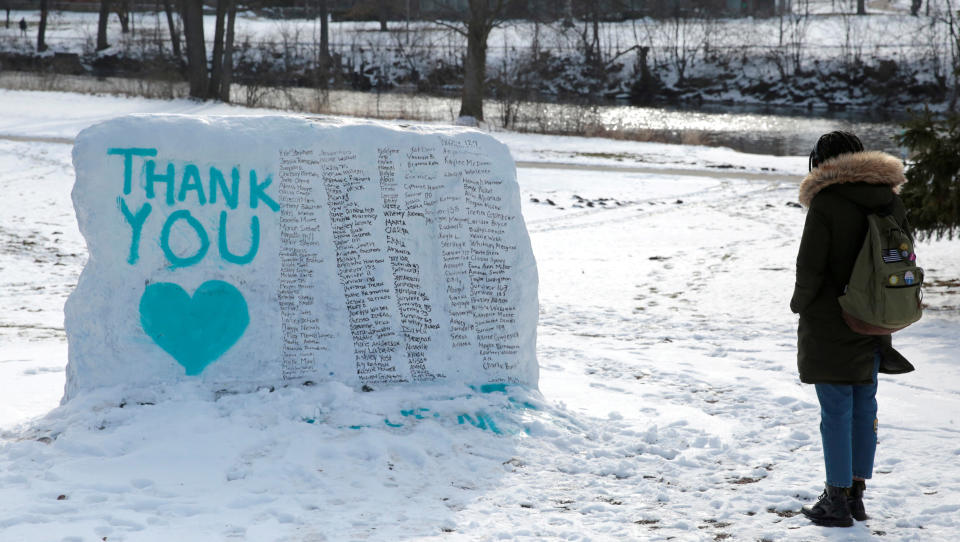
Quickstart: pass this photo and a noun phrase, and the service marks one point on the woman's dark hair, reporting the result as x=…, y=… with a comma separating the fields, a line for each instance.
x=831, y=145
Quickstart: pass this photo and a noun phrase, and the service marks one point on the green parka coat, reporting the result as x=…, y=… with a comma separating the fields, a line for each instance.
x=839, y=194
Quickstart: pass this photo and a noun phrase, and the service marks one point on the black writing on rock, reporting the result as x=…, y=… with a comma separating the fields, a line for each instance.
x=423, y=245
x=362, y=267
x=416, y=323
x=490, y=255
x=304, y=337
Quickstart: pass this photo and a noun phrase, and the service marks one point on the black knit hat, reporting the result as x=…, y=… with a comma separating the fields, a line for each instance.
x=831, y=145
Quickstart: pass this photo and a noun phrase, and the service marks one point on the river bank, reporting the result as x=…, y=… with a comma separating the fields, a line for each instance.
x=777, y=130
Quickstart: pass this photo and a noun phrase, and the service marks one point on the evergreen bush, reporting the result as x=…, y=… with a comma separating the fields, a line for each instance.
x=932, y=195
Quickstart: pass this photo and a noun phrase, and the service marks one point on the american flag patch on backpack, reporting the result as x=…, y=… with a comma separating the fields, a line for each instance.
x=891, y=255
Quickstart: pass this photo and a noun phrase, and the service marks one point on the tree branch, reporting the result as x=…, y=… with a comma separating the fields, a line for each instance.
x=619, y=54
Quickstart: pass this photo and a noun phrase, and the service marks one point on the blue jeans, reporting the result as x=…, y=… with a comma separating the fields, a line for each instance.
x=848, y=416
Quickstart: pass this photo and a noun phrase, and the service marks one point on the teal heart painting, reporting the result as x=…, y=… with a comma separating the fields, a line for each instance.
x=195, y=331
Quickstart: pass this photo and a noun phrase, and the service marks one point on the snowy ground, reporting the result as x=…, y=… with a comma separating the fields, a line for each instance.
x=669, y=406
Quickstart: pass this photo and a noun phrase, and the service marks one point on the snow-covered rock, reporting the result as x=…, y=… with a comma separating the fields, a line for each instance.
x=261, y=250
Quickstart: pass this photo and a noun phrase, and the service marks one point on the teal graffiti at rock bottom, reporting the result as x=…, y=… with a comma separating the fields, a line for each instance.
x=196, y=330
x=504, y=419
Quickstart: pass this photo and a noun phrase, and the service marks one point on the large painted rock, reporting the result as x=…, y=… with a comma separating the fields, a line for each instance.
x=252, y=251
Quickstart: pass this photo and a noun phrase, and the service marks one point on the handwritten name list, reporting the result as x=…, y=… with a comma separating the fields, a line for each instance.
x=423, y=246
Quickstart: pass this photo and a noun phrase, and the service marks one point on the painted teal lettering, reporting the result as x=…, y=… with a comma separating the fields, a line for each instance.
x=231, y=195
x=483, y=421
x=152, y=178
x=257, y=192
x=136, y=224
x=191, y=181
x=493, y=387
x=128, y=154
x=254, y=241
x=177, y=261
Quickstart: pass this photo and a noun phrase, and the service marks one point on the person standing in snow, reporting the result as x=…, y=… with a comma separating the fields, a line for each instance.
x=845, y=184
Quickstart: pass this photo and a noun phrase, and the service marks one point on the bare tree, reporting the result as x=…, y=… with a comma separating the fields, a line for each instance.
x=644, y=44
x=935, y=46
x=122, y=9
x=483, y=16
x=216, y=69
x=383, y=13
x=191, y=11
x=226, y=78
x=685, y=36
x=200, y=85
x=174, y=30
x=324, y=35
x=102, y=21
x=599, y=44
x=953, y=25
x=915, y=7
x=42, y=30
x=593, y=54
x=788, y=55
x=852, y=47
x=480, y=18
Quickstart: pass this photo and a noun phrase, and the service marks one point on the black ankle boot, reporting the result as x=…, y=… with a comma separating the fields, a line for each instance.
x=855, y=501
x=831, y=510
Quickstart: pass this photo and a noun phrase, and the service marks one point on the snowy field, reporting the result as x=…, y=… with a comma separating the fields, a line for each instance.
x=669, y=406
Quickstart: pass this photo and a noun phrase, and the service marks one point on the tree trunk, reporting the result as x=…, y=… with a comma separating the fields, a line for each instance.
x=861, y=8
x=174, y=34
x=192, y=15
x=216, y=73
x=597, y=60
x=102, y=25
x=475, y=65
x=955, y=54
x=382, y=12
x=42, y=30
x=644, y=66
x=324, y=35
x=228, y=53
x=123, y=13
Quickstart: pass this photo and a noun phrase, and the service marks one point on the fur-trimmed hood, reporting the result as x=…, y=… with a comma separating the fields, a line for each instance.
x=872, y=167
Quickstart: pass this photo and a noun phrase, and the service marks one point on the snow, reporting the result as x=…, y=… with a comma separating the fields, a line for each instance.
x=183, y=284
x=669, y=405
